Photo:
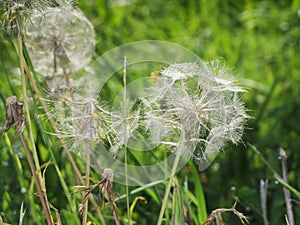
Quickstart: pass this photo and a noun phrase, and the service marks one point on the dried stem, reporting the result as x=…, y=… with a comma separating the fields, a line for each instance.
x=15, y=117
x=57, y=215
x=188, y=210
x=95, y=206
x=66, y=76
x=287, y=193
x=53, y=124
x=37, y=173
x=104, y=184
x=66, y=149
x=37, y=183
x=276, y=175
x=263, y=199
x=216, y=215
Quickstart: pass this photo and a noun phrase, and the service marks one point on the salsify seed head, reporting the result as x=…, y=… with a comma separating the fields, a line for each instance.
x=199, y=101
x=79, y=120
x=59, y=40
x=192, y=109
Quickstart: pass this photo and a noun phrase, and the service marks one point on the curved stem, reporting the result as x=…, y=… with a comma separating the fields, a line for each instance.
x=53, y=124
x=168, y=188
x=37, y=170
x=65, y=147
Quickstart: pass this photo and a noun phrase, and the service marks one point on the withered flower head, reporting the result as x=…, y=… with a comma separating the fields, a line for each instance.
x=16, y=12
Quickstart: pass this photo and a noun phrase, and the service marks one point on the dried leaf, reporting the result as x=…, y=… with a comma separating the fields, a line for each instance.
x=216, y=216
x=210, y=220
x=105, y=185
x=14, y=115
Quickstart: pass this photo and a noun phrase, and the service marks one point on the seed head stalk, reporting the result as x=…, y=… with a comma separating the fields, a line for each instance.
x=42, y=194
x=125, y=136
x=65, y=147
x=87, y=178
x=25, y=68
x=53, y=124
x=168, y=188
x=66, y=76
x=37, y=170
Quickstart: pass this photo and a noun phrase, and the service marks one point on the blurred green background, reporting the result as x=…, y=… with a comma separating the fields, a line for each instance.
x=260, y=40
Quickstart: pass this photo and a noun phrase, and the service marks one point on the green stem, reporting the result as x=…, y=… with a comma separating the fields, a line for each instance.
x=168, y=188
x=53, y=124
x=66, y=149
x=16, y=161
x=62, y=181
x=283, y=183
x=87, y=178
x=125, y=137
x=39, y=181
x=275, y=174
x=26, y=107
x=167, y=215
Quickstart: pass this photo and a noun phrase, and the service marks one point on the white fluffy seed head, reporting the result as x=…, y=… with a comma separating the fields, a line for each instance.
x=79, y=121
x=190, y=107
x=59, y=39
x=201, y=101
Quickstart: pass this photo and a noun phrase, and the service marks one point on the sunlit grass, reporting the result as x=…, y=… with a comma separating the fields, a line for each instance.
x=258, y=39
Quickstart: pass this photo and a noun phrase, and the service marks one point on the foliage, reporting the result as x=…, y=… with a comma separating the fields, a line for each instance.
x=259, y=39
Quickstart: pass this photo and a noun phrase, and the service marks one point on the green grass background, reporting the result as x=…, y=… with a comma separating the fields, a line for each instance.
x=260, y=40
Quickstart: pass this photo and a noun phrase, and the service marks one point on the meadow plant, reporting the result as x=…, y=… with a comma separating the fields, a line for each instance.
x=15, y=117
x=15, y=14
x=14, y=23
x=202, y=104
x=59, y=40
x=79, y=120
x=192, y=109
x=57, y=47
x=197, y=102
x=18, y=15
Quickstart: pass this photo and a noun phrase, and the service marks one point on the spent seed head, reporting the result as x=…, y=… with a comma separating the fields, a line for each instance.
x=59, y=40
x=79, y=120
x=200, y=102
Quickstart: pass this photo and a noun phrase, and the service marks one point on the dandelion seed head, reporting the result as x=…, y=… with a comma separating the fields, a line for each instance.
x=201, y=101
x=123, y=128
x=79, y=120
x=15, y=15
x=59, y=38
x=179, y=71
